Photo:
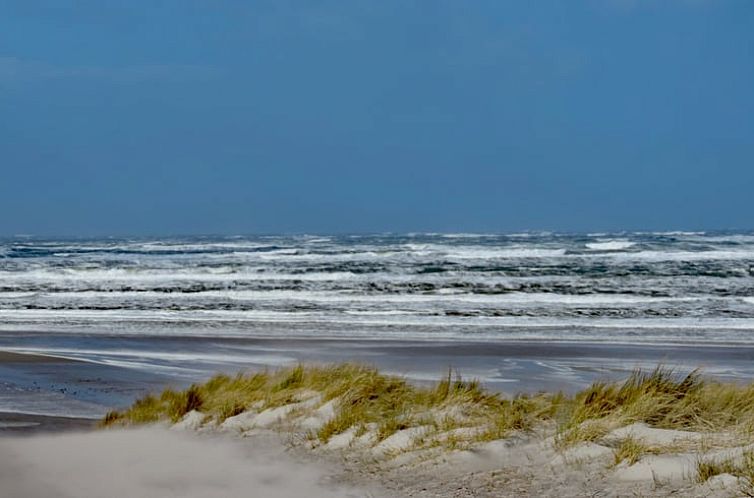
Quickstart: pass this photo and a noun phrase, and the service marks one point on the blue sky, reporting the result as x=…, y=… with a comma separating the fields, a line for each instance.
x=177, y=117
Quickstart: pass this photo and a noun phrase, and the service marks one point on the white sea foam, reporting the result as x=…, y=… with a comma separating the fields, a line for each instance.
x=610, y=245
x=440, y=301
x=225, y=318
x=448, y=286
x=480, y=252
x=75, y=276
x=714, y=255
x=464, y=235
x=735, y=238
x=674, y=233
x=513, y=252
x=17, y=295
x=183, y=357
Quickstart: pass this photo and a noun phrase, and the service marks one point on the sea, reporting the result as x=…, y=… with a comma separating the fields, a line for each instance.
x=184, y=307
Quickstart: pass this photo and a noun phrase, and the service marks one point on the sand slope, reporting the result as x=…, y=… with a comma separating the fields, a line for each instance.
x=156, y=462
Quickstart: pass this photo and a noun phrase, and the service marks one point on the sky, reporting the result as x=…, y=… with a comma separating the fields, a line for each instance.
x=236, y=117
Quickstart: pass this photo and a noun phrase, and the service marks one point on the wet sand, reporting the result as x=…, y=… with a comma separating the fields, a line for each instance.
x=10, y=357
x=525, y=366
x=60, y=393
x=18, y=424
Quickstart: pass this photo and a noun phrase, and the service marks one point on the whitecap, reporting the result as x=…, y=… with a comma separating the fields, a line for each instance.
x=513, y=252
x=610, y=245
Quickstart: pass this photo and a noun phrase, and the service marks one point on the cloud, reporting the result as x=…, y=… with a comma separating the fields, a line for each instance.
x=13, y=69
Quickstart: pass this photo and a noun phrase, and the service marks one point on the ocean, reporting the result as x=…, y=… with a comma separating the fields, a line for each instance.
x=184, y=307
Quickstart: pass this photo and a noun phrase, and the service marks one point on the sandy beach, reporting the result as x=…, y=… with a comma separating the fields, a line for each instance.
x=48, y=455
x=156, y=462
x=292, y=442
x=376, y=249
x=125, y=331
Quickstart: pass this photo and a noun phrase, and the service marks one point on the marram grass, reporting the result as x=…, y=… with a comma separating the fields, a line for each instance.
x=629, y=450
x=742, y=468
x=662, y=399
x=367, y=399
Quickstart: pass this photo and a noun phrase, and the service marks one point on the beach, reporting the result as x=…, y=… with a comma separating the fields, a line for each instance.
x=301, y=436
x=55, y=386
x=155, y=462
x=376, y=249
x=88, y=327
x=12, y=424
x=69, y=456
x=520, y=312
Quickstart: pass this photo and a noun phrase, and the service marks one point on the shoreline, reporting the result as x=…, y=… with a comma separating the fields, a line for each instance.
x=513, y=349
x=117, y=371
x=27, y=424
x=23, y=357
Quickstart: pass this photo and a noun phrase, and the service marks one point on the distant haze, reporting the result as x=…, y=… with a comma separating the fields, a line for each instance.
x=244, y=117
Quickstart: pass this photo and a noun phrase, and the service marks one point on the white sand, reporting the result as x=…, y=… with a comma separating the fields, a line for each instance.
x=155, y=462
x=197, y=458
x=649, y=435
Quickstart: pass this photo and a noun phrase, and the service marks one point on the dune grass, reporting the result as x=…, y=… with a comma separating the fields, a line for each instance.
x=663, y=399
x=629, y=450
x=370, y=401
x=570, y=433
x=710, y=468
x=366, y=399
x=742, y=467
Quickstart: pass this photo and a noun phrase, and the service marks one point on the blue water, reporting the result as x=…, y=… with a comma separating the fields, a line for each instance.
x=628, y=287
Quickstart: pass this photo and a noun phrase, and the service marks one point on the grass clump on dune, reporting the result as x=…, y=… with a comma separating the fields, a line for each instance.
x=659, y=398
x=662, y=399
x=710, y=468
x=458, y=410
x=742, y=467
x=366, y=400
x=223, y=396
x=170, y=405
x=629, y=450
x=393, y=405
